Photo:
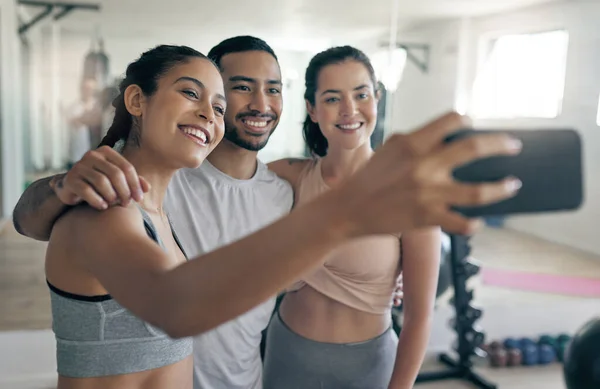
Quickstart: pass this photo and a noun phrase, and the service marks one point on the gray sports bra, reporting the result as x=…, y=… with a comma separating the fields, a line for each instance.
x=96, y=336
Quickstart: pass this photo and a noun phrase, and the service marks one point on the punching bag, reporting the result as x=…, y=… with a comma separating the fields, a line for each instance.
x=96, y=64
x=102, y=63
x=89, y=63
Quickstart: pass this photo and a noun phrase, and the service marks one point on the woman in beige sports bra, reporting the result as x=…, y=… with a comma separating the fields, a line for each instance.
x=333, y=328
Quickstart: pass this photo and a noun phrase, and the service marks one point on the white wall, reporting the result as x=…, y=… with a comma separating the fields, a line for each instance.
x=454, y=46
x=422, y=95
x=10, y=111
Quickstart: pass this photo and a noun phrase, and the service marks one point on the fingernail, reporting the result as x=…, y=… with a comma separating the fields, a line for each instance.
x=139, y=195
x=104, y=206
x=514, y=184
x=473, y=226
x=515, y=144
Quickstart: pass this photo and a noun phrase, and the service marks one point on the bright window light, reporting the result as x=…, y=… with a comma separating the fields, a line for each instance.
x=523, y=76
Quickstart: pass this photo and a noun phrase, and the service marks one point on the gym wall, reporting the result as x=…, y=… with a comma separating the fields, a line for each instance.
x=455, y=48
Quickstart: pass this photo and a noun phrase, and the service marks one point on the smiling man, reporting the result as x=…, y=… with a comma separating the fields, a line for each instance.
x=243, y=195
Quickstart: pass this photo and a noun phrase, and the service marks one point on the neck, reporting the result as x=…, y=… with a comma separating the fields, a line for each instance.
x=156, y=174
x=233, y=160
x=340, y=164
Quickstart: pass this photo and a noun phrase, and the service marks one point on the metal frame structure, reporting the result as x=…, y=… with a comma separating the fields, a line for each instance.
x=420, y=61
x=422, y=64
x=49, y=7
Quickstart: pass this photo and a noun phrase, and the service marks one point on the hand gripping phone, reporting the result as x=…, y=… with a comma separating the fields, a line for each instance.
x=550, y=167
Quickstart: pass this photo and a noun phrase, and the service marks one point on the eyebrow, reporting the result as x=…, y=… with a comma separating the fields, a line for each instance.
x=199, y=84
x=339, y=91
x=252, y=80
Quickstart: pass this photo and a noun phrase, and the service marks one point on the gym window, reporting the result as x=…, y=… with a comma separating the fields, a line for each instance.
x=522, y=76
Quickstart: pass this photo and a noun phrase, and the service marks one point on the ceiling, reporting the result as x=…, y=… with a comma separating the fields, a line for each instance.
x=290, y=22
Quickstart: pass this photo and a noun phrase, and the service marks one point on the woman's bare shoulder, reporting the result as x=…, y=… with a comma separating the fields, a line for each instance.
x=289, y=168
x=86, y=222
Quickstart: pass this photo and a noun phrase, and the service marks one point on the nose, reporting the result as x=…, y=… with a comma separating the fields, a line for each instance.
x=259, y=102
x=205, y=111
x=348, y=107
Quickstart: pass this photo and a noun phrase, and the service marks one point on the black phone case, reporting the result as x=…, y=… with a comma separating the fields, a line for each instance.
x=549, y=166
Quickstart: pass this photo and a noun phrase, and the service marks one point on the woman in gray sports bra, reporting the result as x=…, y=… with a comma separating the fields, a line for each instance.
x=101, y=341
x=125, y=302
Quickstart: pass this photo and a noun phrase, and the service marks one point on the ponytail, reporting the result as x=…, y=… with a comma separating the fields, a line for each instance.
x=121, y=125
x=314, y=138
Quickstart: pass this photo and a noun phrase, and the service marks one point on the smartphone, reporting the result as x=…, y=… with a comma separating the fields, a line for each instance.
x=550, y=167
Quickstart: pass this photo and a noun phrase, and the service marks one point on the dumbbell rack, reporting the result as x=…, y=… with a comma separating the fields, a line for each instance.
x=469, y=339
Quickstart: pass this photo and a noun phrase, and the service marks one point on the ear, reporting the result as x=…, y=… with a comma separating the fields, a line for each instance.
x=310, y=109
x=134, y=100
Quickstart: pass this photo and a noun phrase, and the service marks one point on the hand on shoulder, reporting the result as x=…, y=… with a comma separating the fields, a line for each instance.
x=102, y=178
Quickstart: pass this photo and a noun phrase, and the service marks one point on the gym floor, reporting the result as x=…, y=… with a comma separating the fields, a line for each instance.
x=25, y=304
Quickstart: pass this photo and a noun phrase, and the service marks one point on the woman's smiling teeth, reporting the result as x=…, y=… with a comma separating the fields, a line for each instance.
x=350, y=127
x=199, y=135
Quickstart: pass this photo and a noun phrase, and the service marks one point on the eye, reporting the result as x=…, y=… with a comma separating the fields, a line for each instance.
x=274, y=91
x=331, y=99
x=242, y=88
x=363, y=96
x=220, y=110
x=191, y=93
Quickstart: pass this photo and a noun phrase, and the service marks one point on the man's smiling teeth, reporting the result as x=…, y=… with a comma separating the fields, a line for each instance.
x=255, y=124
x=195, y=132
x=354, y=126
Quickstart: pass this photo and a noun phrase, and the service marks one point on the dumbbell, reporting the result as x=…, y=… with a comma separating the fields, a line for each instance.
x=548, y=340
x=475, y=337
x=563, y=338
x=514, y=353
x=547, y=354
x=470, y=315
x=563, y=342
x=524, y=342
x=510, y=343
x=470, y=297
x=471, y=268
x=530, y=354
x=515, y=357
x=498, y=356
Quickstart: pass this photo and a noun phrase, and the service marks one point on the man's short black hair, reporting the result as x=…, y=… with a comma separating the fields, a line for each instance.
x=238, y=44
